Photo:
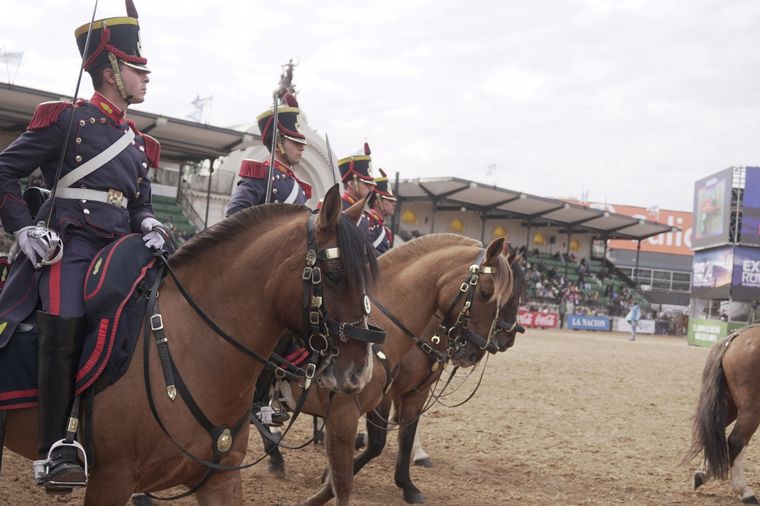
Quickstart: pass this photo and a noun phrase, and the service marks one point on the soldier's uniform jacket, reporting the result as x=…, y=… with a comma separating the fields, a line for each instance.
x=252, y=188
x=97, y=125
x=380, y=235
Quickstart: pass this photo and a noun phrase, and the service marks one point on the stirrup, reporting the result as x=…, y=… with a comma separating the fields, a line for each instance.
x=271, y=417
x=42, y=468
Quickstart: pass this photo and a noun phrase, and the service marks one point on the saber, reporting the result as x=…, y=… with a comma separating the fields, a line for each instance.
x=330, y=159
x=71, y=121
x=275, y=131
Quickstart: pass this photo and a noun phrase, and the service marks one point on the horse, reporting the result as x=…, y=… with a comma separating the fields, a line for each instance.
x=409, y=393
x=243, y=274
x=730, y=383
x=447, y=276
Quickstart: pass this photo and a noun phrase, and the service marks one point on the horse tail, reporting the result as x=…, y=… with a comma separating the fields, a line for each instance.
x=711, y=418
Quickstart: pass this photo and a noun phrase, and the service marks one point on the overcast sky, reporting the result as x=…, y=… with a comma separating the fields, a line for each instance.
x=630, y=101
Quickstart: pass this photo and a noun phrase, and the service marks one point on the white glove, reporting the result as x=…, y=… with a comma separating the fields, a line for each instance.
x=41, y=245
x=153, y=238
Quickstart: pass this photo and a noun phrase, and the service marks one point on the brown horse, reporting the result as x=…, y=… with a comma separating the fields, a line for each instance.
x=730, y=391
x=409, y=393
x=245, y=274
x=429, y=276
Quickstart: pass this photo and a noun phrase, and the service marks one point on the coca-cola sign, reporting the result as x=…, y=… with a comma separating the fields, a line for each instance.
x=538, y=319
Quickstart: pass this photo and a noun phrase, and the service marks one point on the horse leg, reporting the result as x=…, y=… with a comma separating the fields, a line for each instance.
x=221, y=489
x=409, y=409
x=275, y=461
x=701, y=475
x=108, y=487
x=419, y=455
x=737, y=448
x=340, y=434
x=377, y=433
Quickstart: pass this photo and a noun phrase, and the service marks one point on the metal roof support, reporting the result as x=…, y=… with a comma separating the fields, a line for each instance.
x=527, y=239
x=432, y=219
x=483, y=218
x=567, y=253
x=638, y=252
x=396, y=219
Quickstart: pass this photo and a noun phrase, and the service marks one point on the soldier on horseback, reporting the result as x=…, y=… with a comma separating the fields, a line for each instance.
x=99, y=178
x=288, y=148
x=382, y=205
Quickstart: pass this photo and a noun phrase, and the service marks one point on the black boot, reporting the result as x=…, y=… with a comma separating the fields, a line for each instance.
x=60, y=344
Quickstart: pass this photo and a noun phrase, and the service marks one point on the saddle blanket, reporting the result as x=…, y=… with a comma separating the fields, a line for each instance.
x=116, y=293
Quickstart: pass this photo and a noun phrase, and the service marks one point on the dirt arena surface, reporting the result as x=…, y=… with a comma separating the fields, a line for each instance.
x=571, y=418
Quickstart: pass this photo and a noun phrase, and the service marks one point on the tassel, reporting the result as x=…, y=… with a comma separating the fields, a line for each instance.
x=46, y=114
x=131, y=10
x=366, y=149
x=290, y=100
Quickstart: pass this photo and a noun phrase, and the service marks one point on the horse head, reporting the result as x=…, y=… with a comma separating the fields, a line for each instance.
x=345, y=339
x=491, y=323
x=508, y=326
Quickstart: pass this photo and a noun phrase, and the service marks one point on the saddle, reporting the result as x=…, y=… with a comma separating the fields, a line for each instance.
x=115, y=298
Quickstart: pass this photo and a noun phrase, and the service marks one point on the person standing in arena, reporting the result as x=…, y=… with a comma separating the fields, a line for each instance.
x=102, y=193
x=633, y=317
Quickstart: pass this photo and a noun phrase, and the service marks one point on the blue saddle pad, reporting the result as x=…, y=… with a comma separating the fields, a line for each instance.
x=115, y=298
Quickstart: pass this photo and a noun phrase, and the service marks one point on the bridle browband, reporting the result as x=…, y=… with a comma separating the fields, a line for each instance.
x=315, y=315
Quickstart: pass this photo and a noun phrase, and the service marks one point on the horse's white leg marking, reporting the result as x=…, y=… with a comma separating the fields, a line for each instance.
x=418, y=452
x=737, y=477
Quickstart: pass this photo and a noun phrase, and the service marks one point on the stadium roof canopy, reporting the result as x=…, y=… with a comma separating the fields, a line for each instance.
x=493, y=202
x=180, y=139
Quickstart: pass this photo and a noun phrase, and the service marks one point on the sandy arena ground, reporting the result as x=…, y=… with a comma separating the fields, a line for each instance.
x=564, y=417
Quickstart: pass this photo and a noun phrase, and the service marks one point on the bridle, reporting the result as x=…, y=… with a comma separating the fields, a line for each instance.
x=318, y=329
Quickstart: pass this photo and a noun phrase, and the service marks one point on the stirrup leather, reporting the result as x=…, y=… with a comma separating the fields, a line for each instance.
x=42, y=467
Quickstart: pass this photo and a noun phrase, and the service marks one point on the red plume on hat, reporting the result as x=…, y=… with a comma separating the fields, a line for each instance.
x=290, y=100
x=131, y=10
x=366, y=149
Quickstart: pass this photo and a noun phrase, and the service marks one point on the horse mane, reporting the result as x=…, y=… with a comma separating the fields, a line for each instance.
x=220, y=233
x=519, y=283
x=425, y=244
x=503, y=285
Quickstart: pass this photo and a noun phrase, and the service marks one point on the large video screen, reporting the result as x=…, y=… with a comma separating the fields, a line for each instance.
x=711, y=273
x=712, y=210
x=750, y=228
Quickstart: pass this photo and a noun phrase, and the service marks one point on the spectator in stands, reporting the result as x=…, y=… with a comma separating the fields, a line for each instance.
x=633, y=317
x=562, y=310
x=582, y=271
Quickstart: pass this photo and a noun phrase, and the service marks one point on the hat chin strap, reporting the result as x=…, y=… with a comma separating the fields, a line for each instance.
x=117, y=77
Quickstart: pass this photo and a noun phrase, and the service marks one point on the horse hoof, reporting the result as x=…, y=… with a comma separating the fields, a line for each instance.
x=361, y=441
x=276, y=468
x=141, y=500
x=750, y=500
x=698, y=480
x=414, y=497
x=426, y=462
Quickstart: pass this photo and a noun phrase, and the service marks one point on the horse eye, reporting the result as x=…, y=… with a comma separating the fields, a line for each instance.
x=485, y=297
x=335, y=277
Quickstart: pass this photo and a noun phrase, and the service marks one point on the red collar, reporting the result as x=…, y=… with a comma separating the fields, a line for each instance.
x=108, y=108
x=377, y=215
x=349, y=198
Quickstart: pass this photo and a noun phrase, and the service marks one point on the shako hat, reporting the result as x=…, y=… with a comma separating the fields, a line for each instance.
x=288, y=121
x=359, y=166
x=117, y=36
x=382, y=188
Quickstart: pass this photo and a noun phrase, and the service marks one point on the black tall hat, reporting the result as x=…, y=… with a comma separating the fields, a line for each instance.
x=118, y=36
x=382, y=187
x=359, y=166
x=288, y=121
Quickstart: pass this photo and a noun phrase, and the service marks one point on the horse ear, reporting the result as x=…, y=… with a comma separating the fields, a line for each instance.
x=494, y=249
x=329, y=213
x=355, y=211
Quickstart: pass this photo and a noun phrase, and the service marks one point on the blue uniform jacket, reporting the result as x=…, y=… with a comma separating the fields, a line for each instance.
x=252, y=188
x=364, y=221
x=93, y=130
x=379, y=235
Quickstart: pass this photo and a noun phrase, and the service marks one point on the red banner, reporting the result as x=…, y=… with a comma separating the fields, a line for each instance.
x=538, y=319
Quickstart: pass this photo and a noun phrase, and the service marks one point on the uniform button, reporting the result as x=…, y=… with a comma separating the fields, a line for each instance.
x=82, y=123
x=137, y=195
x=78, y=140
x=145, y=165
x=142, y=148
x=92, y=121
x=85, y=211
x=276, y=201
x=274, y=190
x=83, y=201
x=78, y=158
x=103, y=120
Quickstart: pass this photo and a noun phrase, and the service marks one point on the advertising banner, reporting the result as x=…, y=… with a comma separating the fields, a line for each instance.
x=712, y=210
x=708, y=332
x=750, y=228
x=746, y=276
x=538, y=319
x=711, y=273
x=587, y=322
x=644, y=326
